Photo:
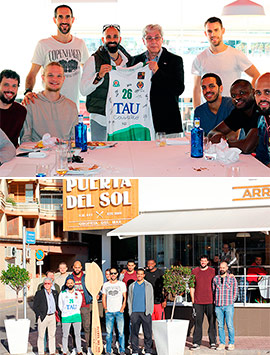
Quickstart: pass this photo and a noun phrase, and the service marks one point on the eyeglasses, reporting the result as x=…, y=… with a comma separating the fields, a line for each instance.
x=111, y=25
x=113, y=273
x=150, y=38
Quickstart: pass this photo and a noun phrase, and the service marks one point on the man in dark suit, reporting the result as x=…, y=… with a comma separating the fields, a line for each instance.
x=45, y=306
x=167, y=80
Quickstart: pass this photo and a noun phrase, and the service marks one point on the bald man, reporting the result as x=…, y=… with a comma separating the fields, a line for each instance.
x=262, y=97
x=79, y=279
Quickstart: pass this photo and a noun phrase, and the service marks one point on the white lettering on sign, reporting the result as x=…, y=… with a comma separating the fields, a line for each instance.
x=105, y=199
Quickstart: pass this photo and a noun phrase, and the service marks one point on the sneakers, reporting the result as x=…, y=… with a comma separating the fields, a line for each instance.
x=231, y=347
x=89, y=351
x=74, y=351
x=213, y=346
x=195, y=347
x=220, y=347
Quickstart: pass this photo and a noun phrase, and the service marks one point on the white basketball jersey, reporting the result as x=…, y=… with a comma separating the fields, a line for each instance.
x=128, y=111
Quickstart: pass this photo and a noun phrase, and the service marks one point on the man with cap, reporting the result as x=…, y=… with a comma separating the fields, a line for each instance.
x=95, y=78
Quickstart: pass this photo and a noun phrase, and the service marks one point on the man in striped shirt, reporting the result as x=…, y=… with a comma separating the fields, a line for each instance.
x=225, y=289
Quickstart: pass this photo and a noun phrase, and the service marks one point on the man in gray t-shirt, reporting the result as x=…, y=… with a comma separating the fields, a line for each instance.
x=114, y=301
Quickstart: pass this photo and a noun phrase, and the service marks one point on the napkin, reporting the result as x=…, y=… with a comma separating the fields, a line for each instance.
x=222, y=152
x=48, y=140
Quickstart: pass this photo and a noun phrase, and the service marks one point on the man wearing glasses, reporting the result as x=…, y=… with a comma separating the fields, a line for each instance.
x=45, y=306
x=114, y=301
x=95, y=78
x=167, y=82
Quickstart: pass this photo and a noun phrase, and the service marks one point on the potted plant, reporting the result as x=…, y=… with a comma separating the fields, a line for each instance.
x=17, y=329
x=170, y=335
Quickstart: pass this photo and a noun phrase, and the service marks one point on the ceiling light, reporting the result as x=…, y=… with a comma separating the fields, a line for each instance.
x=243, y=7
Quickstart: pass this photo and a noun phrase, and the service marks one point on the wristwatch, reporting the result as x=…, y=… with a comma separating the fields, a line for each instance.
x=27, y=90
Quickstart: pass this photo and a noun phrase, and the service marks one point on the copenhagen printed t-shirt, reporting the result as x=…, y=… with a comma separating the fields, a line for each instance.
x=203, y=285
x=70, y=55
x=114, y=292
x=128, y=108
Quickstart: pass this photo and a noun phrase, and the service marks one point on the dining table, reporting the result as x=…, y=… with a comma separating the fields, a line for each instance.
x=136, y=159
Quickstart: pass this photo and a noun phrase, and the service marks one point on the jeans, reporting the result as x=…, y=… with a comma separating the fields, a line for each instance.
x=86, y=324
x=202, y=309
x=119, y=318
x=77, y=331
x=137, y=319
x=225, y=313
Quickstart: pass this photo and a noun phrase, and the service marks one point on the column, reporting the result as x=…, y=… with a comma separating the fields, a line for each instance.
x=141, y=251
x=105, y=251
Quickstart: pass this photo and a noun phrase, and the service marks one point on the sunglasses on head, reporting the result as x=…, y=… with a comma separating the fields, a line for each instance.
x=113, y=273
x=111, y=25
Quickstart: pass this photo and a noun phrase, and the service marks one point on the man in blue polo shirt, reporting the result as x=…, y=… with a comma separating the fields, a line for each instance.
x=141, y=306
x=216, y=108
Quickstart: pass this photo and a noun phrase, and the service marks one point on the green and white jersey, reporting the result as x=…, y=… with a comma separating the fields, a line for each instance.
x=128, y=111
x=70, y=305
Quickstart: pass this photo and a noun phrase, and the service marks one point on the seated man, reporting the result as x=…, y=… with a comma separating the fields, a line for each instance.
x=52, y=112
x=254, y=274
x=245, y=115
x=216, y=108
x=262, y=96
x=12, y=114
x=7, y=149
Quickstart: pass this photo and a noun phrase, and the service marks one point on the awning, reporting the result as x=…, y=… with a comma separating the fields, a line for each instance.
x=246, y=219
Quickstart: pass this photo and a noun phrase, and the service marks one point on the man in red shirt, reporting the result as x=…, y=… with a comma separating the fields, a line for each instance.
x=254, y=274
x=202, y=299
x=129, y=277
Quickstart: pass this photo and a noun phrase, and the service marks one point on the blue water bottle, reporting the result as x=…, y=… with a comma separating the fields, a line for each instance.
x=81, y=135
x=197, y=140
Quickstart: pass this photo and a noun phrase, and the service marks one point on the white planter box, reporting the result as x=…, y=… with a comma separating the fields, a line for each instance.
x=170, y=336
x=17, y=335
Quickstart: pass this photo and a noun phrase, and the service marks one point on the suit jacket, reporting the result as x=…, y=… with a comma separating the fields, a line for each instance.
x=166, y=87
x=40, y=306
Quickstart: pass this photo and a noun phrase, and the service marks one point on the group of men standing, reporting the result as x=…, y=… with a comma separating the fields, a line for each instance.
x=132, y=302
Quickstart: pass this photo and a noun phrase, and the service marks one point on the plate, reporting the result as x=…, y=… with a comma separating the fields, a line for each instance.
x=83, y=170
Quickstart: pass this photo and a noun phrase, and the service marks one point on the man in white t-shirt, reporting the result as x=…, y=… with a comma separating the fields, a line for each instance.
x=223, y=60
x=71, y=52
x=114, y=302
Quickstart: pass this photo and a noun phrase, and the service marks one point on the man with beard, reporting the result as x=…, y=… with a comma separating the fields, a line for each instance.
x=221, y=59
x=225, y=289
x=216, y=108
x=202, y=300
x=12, y=114
x=262, y=97
x=70, y=301
x=245, y=115
x=155, y=277
x=95, y=78
x=64, y=48
x=79, y=278
x=52, y=112
x=167, y=82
